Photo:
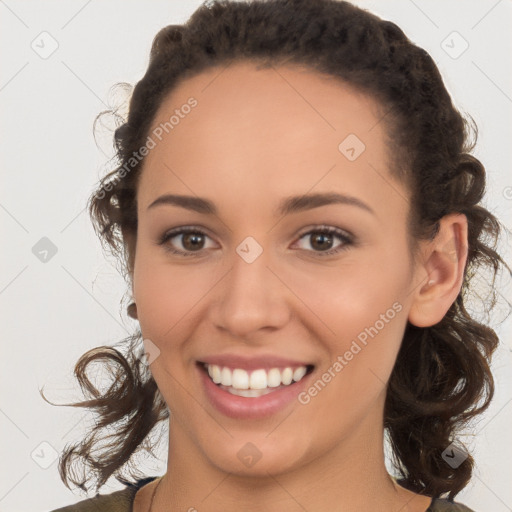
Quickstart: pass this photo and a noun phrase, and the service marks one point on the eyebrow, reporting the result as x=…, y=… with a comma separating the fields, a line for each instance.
x=287, y=206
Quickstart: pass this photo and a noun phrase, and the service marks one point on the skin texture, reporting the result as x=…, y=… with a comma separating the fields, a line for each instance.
x=255, y=137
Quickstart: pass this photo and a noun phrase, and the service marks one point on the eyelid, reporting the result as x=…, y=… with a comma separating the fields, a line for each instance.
x=182, y=230
x=325, y=227
x=345, y=236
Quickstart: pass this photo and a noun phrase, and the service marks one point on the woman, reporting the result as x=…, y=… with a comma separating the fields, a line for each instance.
x=298, y=214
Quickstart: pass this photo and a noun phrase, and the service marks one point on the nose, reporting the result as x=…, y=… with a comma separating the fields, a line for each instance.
x=251, y=299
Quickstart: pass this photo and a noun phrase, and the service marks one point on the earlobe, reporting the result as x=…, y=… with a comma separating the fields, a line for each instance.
x=132, y=310
x=442, y=272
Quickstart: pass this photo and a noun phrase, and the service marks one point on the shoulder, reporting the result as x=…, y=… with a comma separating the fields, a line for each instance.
x=118, y=501
x=442, y=505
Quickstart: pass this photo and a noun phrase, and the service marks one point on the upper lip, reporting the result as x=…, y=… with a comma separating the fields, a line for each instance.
x=265, y=362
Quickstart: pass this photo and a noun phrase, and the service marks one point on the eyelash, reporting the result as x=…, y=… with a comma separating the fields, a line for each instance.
x=346, y=238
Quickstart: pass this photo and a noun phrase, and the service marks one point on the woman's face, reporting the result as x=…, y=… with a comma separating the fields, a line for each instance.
x=258, y=293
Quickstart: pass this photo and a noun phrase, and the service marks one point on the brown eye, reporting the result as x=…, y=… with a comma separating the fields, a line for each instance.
x=321, y=241
x=192, y=241
x=185, y=241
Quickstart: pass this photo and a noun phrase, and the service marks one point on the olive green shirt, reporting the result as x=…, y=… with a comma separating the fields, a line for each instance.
x=122, y=501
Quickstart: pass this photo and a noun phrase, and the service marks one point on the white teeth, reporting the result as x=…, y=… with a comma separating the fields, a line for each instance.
x=299, y=373
x=287, y=376
x=258, y=382
x=274, y=378
x=240, y=379
x=258, y=379
x=226, y=377
x=215, y=375
x=248, y=393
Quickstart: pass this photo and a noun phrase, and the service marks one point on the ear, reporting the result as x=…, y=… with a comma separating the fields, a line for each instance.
x=440, y=269
x=132, y=311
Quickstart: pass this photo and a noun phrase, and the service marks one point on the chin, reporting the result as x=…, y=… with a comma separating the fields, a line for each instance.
x=257, y=454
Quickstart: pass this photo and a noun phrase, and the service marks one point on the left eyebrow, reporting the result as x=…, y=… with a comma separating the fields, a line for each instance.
x=295, y=204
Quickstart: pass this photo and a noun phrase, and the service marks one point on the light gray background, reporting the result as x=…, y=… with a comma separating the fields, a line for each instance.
x=53, y=312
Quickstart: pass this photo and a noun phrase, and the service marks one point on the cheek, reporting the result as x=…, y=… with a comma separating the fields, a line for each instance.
x=355, y=295
x=360, y=313
x=365, y=329
x=166, y=294
x=168, y=298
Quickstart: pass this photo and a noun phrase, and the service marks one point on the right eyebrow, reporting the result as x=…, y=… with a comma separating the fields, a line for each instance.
x=197, y=204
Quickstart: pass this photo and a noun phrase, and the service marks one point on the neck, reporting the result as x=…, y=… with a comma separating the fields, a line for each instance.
x=350, y=476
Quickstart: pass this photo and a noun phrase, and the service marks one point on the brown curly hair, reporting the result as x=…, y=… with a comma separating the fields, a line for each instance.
x=441, y=378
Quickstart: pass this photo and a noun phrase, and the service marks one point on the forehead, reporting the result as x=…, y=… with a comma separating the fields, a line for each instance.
x=273, y=130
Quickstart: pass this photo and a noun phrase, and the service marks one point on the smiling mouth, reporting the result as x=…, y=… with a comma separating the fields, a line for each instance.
x=255, y=383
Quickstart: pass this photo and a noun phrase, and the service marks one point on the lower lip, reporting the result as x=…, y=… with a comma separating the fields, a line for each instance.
x=250, y=408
